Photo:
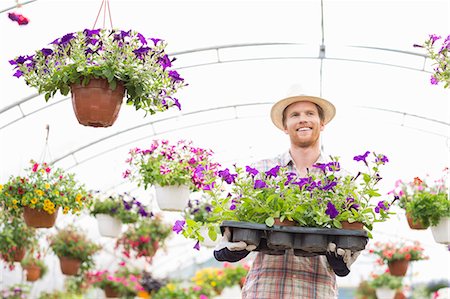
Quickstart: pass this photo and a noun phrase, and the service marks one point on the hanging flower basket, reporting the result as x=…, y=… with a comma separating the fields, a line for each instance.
x=33, y=272
x=17, y=254
x=172, y=198
x=96, y=104
x=108, y=226
x=111, y=292
x=441, y=232
x=385, y=293
x=69, y=266
x=95, y=64
x=38, y=218
x=414, y=224
x=398, y=267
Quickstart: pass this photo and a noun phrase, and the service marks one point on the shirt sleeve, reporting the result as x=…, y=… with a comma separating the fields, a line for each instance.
x=226, y=255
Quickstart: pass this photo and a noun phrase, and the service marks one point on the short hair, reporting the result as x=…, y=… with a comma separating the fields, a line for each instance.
x=319, y=110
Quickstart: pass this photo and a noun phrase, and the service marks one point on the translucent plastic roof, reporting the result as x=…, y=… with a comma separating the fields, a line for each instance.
x=238, y=58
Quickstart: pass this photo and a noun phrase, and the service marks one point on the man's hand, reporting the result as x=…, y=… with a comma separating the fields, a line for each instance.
x=340, y=259
x=347, y=255
x=232, y=246
x=227, y=251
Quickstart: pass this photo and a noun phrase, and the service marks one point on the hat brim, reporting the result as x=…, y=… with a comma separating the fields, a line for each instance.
x=276, y=113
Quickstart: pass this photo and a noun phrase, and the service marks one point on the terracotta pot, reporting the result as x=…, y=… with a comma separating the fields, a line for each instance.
x=69, y=266
x=353, y=225
x=111, y=292
x=38, y=218
x=285, y=222
x=96, y=104
x=414, y=224
x=399, y=295
x=33, y=272
x=17, y=255
x=398, y=268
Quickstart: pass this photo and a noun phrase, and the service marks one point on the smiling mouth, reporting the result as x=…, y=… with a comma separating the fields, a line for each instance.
x=303, y=129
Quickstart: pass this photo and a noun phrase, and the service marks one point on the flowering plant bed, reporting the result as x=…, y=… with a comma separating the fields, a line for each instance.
x=123, y=282
x=306, y=241
x=121, y=57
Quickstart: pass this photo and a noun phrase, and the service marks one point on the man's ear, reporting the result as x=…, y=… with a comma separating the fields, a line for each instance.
x=322, y=126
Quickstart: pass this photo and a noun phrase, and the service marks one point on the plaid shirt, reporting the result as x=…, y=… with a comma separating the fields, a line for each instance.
x=289, y=276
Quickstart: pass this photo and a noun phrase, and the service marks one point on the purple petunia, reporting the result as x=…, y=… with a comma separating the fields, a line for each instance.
x=362, y=157
x=321, y=166
x=259, y=184
x=252, y=171
x=227, y=176
x=175, y=76
x=381, y=159
x=331, y=210
x=179, y=226
x=381, y=206
x=197, y=245
x=273, y=172
x=46, y=52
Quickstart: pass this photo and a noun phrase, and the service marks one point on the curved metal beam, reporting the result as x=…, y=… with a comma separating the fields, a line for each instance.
x=151, y=124
x=218, y=48
x=12, y=7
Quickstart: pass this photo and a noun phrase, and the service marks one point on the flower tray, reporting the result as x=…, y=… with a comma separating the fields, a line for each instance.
x=305, y=241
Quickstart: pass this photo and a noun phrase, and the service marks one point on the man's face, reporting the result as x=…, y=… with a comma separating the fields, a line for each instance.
x=302, y=123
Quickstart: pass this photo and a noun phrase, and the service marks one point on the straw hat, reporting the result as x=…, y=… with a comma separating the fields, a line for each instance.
x=295, y=95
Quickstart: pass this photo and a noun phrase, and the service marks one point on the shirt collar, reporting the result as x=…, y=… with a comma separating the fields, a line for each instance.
x=286, y=159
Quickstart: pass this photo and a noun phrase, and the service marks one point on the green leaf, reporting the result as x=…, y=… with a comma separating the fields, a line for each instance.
x=270, y=221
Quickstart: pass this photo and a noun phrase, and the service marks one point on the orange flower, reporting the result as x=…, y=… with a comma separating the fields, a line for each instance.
x=417, y=181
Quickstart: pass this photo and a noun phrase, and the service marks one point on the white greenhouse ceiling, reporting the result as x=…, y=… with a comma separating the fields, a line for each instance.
x=238, y=58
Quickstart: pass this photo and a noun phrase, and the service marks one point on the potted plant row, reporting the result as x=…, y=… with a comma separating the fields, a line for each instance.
x=277, y=210
x=113, y=211
x=41, y=193
x=173, y=169
x=98, y=66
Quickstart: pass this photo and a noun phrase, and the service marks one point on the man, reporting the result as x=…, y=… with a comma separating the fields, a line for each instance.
x=302, y=118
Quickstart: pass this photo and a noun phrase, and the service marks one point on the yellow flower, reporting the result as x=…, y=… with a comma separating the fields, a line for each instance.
x=47, y=202
x=213, y=283
x=56, y=192
x=14, y=201
x=39, y=192
x=47, y=185
x=42, y=171
x=34, y=200
x=170, y=287
x=1, y=187
x=78, y=197
x=66, y=210
x=15, y=207
x=24, y=201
